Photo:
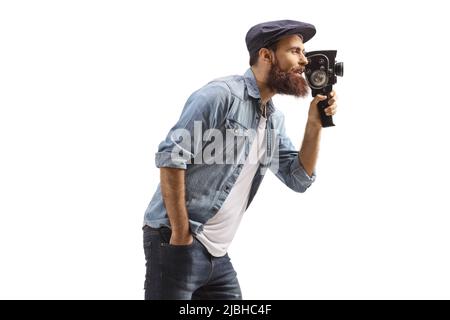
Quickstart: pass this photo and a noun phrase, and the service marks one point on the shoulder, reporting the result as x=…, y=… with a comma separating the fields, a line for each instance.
x=214, y=90
x=235, y=85
x=211, y=95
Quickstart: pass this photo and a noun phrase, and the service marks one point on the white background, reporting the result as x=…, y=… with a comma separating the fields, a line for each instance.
x=88, y=89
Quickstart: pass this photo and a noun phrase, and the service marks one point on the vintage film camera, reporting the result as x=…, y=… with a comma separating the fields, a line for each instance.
x=321, y=73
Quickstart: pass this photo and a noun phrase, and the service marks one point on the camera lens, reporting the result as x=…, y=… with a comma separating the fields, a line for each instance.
x=339, y=69
x=319, y=78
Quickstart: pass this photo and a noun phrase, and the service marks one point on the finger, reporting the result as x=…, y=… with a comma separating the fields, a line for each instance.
x=321, y=97
x=332, y=107
x=331, y=101
x=333, y=95
x=330, y=111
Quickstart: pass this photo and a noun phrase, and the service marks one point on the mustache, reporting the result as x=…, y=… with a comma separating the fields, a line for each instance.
x=299, y=70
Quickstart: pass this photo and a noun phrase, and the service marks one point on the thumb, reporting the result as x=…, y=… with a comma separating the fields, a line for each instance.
x=318, y=98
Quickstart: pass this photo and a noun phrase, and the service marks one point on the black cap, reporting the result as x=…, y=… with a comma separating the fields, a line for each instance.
x=264, y=34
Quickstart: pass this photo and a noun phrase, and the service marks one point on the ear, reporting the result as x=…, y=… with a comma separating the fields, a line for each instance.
x=266, y=55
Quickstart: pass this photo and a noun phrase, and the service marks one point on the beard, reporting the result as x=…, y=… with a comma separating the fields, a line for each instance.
x=287, y=82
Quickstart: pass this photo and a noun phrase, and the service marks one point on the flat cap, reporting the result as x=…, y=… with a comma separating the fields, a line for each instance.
x=264, y=34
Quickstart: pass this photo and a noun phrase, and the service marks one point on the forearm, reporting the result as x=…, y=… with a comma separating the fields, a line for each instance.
x=173, y=192
x=309, y=150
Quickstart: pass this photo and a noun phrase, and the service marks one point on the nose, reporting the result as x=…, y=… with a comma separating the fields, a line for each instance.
x=303, y=60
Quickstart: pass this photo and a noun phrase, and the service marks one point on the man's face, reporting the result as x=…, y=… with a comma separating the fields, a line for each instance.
x=286, y=72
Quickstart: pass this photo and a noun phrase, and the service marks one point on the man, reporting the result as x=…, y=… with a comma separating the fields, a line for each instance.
x=207, y=182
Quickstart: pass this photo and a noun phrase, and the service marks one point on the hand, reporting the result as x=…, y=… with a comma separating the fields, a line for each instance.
x=181, y=239
x=313, y=114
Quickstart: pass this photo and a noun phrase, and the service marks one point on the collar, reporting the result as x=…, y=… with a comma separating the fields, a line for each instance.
x=253, y=91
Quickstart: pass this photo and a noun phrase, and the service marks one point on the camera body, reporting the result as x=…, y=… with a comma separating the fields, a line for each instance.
x=321, y=74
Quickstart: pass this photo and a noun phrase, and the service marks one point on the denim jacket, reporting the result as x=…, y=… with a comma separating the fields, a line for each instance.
x=229, y=106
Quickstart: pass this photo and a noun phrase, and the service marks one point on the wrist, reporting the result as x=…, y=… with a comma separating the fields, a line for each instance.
x=180, y=231
x=184, y=238
x=314, y=124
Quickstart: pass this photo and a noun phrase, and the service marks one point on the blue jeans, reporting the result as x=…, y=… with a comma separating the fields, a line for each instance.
x=186, y=272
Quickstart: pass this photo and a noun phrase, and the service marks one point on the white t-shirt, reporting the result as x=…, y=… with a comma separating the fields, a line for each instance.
x=219, y=231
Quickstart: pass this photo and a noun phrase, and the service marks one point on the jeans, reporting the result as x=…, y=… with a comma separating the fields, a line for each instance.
x=187, y=272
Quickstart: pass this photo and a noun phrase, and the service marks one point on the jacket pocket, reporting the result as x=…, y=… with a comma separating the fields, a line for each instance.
x=237, y=141
x=236, y=128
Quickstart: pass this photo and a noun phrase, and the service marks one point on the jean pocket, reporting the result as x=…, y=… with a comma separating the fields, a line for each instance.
x=177, y=246
x=177, y=253
x=177, y=261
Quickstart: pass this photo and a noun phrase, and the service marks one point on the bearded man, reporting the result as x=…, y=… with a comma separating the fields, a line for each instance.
x=207, y=182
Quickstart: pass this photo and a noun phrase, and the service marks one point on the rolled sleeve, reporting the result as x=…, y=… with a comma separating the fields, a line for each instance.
x=300, y=175
x=167, y=160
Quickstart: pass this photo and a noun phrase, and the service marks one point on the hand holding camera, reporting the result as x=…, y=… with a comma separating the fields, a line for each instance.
x=321, y=73
x=329, y=110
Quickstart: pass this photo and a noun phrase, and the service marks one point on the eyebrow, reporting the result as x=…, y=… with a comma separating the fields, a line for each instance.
x=297, y=48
